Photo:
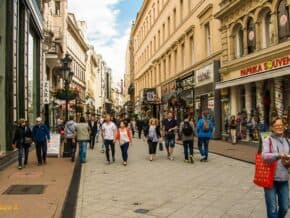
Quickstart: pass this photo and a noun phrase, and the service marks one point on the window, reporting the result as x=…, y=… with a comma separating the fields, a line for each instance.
x=192, y=50
x=182, y=56
x=266, y=24
x=251, y=36
x=154, y=43
x=159, y=72
x=57, y=8
x=169, y=66
x=207, y=38
x=175, y=61
x=283, y=21
x=164, y=69
x=181, y=11
x=174, y=19
x=163, y=33
x=168, y=24
x=239, y=38
x=158, y=38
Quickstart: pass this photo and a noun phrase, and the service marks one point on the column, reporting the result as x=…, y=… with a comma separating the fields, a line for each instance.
x=275, y=30
x=278, y=96
x=248, y=98
x=260, y=103
x=245, y=42
x=234, y=102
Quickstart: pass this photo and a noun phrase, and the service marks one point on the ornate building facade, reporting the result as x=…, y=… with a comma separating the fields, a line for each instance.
x=255, y=66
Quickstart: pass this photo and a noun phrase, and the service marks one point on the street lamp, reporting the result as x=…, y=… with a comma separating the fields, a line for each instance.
x=67, y=77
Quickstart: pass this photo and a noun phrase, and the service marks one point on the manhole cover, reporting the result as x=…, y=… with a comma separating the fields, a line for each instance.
x=25, y=190
x=142, y=211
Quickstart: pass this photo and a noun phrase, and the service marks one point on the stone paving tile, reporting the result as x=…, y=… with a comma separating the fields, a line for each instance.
x=220, y=188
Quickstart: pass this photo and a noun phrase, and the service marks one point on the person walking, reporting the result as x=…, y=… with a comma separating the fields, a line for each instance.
x=153, y=137
x=169, y=126
x=70, y=134
x=83, y=136
x=133, y=126
x=233, y=129
x=139, y=124
x=124, y=138
x=276, y=148
x=18, y=141
x=187, y=134
x=109, y=130
x=204, y=132
x=40, y=136
x=93, y=124
x=27, y=141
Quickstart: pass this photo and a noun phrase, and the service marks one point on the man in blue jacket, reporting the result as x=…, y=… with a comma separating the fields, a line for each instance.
x=41, y=136
x=204, y=132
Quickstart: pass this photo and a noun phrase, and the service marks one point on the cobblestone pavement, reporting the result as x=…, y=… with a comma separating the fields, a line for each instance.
x=220, y=188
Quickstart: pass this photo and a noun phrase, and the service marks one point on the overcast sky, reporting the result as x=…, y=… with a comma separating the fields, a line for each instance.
x=109, y=23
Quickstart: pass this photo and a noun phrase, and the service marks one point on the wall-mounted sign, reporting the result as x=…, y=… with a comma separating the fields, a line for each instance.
x=46, y=92
x=204, y=75
x=266, y=66
x=150, y=95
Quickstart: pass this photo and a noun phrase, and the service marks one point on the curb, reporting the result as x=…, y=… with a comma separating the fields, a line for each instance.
x=70, y=203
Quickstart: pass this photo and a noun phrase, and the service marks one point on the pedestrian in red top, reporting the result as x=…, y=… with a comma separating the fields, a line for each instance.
x=124, y=138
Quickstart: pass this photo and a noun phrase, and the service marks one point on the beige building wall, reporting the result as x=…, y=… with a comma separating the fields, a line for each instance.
x=173, y=38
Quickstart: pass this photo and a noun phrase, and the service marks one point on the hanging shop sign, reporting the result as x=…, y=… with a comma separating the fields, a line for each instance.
x=204, y=75
x=150, y=96
x=46, y=92
x=266, y=66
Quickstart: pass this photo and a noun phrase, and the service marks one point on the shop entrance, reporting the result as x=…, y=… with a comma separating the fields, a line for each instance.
x=267, y=102
x=203, y=103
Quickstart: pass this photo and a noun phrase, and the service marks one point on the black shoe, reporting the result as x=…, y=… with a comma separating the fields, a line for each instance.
x=39, y=164
x=114, y=160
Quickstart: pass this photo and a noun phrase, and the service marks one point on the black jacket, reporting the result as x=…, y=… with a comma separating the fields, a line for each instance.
x=18, y=139
x=94, y=129
x=158, y=132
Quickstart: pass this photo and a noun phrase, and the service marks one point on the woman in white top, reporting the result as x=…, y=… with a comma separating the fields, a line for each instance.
x=124, y=138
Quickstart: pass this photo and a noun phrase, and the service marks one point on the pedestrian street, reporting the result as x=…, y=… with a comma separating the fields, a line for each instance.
x=222, y=187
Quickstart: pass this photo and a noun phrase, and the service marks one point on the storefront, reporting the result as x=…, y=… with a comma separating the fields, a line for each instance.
x=168, y=98
x=185, y=96
x=150, y=103
x=21, y=66
x=259, y=92
x=206, y=97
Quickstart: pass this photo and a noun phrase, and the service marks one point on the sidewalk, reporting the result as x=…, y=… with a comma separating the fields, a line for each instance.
x=55, y=176
x=242, y=152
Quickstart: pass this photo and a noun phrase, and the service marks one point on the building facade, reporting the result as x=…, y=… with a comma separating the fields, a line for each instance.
x=21, y=34
x=177, y=50
x=255, y=67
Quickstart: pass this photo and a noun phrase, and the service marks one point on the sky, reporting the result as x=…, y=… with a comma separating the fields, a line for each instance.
x=109, y=23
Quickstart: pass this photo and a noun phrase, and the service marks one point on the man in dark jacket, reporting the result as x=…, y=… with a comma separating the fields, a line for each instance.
x=40, y=135
x=93, y=124
x=139, y=124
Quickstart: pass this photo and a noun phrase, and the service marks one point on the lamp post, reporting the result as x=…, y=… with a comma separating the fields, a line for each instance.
x=67, y=77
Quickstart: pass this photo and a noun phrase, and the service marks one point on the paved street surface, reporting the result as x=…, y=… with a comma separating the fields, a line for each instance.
x=220, y=188
x=55, y=176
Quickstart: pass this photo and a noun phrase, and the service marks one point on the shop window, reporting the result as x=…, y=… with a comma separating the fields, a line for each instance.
x=251, y=36
x=242, y=98
x=266, y=24
x=283, y=21
x=239, y=45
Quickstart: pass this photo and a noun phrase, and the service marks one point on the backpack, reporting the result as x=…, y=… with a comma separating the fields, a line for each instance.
x=205, y=126
x=187, y=129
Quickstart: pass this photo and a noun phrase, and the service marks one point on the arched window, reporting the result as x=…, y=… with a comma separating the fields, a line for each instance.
x=267, y=29
x=283, y=21
x=251, y=36
x=239, y=42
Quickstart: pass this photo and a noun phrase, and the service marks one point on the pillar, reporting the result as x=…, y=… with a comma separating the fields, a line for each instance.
x=260, y=103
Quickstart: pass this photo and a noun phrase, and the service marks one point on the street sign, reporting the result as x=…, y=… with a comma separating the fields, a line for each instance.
x=46, y=92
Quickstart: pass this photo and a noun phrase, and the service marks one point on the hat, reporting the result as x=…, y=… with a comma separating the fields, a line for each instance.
x=38, y=119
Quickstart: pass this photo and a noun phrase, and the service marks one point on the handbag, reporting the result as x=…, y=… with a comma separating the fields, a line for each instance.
x=264, y=172
x=27, y=140
x=160, y=146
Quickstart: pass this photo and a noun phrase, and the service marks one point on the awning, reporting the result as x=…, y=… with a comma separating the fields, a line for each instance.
x=254, y=78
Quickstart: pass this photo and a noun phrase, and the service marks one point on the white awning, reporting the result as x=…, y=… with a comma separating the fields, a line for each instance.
x=254, y=78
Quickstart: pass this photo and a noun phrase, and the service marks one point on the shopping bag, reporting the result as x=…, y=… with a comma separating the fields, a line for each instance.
x=264, y=172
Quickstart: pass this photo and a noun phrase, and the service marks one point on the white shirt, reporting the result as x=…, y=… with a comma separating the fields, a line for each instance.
x=109, y=130
x=124, y=136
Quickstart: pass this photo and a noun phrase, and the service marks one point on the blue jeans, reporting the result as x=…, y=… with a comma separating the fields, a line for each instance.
x=83, y=150
x=188, y=145
x=202, y=141
x=277, y=209
x=124, y=149
x=169, y=142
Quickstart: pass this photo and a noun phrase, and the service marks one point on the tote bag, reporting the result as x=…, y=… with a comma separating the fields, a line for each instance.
x=264, y=172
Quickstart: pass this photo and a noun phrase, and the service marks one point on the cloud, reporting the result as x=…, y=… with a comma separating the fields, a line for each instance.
x=103, y=33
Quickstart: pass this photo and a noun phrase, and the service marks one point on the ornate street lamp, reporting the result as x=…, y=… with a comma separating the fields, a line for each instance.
x=67, y=77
